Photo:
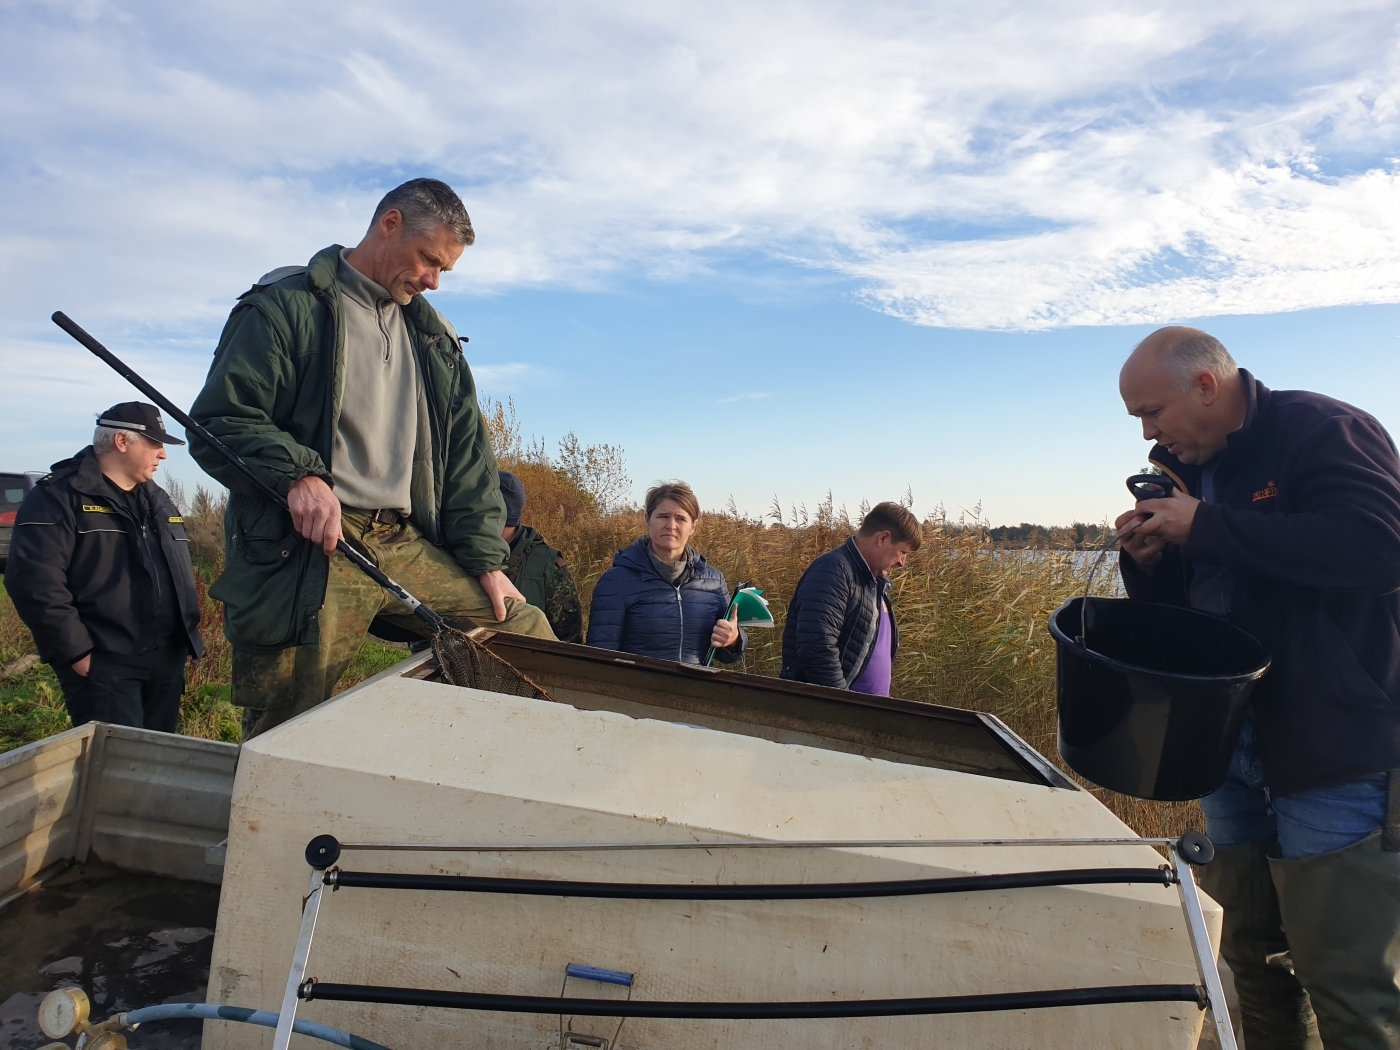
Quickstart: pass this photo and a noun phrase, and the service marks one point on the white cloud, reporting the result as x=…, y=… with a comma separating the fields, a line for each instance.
x=493, y=380
x=743, y=397
x=993, y=165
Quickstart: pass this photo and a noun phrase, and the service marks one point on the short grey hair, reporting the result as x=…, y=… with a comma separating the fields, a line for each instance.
x=426, y=204
x=1196, y=352
x=104, y=439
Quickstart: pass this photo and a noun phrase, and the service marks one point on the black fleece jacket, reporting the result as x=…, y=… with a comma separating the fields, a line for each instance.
x=1307, y=517
x=82, y=571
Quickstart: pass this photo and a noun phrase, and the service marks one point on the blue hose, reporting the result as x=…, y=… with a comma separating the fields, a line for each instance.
x=210, y=1012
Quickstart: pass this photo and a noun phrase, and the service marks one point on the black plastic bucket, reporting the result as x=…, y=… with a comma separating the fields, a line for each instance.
x=1153, y=706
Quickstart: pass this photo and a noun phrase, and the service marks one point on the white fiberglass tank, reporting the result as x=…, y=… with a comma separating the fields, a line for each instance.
x=401, y=759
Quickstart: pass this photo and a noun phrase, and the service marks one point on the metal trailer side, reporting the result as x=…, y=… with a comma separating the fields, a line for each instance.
x=140, y=800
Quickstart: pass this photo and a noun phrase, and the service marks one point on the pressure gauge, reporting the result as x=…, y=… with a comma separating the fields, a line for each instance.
x=62, y=1011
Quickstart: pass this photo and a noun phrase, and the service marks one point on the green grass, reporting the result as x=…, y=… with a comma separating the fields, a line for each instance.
x=31, y=708
x=372, y=658
x=205, y=712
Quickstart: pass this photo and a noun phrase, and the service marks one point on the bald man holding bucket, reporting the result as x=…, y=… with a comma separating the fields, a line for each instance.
x=1287, y=522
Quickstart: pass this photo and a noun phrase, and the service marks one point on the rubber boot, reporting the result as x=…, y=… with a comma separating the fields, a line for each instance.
x=1274, y=1009
x=1341, y=911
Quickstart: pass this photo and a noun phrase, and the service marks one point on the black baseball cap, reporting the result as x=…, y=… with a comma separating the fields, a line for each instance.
x=140, y=417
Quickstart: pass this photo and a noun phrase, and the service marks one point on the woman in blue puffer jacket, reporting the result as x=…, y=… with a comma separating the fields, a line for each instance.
x=660, y=598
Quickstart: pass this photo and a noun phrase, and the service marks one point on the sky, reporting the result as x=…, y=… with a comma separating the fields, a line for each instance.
x=775, y=250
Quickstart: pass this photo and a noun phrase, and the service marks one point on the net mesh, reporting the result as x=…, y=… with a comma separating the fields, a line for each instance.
x=466, y=662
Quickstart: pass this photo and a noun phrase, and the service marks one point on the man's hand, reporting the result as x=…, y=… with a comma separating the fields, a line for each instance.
x=80, y=667
x=1146, y=530
x=726, y=632
x=498, y=588
x=1145, y=550
x=315, y=512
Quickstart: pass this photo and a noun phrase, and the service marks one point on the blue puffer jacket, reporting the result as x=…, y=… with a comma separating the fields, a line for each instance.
x=635, y=610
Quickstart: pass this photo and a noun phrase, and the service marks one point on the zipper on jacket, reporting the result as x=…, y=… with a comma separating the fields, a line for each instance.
x=869, y=653
x=680, y=610
x=157, y=584
x=439, y=441
x=869, y=649
x=337, y=363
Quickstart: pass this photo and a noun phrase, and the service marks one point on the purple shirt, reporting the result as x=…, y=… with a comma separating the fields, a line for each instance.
x=875, y=679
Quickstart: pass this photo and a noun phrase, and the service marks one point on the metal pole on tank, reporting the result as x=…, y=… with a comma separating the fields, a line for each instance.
x=309, y=910
x=1200, y=936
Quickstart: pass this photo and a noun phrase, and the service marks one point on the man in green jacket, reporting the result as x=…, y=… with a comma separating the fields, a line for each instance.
x=540, y=571
x=348, y=393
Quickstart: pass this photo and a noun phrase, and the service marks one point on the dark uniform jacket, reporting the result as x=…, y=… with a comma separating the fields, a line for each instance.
x=635, y=610
x=1306, y=519
x=834, y=619
x=543, y=576
x=273, y=395
x=82, y=573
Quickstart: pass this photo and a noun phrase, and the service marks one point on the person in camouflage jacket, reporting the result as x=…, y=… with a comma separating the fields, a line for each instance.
x=540, y=572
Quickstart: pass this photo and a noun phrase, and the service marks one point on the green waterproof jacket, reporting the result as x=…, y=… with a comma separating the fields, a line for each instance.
x=273, y=395
x=542, y=575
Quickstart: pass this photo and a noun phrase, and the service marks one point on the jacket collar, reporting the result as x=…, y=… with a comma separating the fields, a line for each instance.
x=321, y=275
x=637, y=556
x=89, y=479
x=320, y=271
x=862, y=567
x=1257, y=397
x=525, y=537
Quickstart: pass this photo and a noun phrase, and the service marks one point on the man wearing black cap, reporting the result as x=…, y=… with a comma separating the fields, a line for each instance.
x=537, y=569
x=100, y=572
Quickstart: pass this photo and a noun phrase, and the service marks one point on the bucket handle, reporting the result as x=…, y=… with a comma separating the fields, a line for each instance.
x=1143, y=487
x=1114, y=538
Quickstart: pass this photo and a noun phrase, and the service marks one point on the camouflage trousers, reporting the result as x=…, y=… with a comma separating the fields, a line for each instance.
x=273, y=687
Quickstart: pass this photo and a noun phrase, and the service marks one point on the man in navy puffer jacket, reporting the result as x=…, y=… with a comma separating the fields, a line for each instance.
x=840, y=626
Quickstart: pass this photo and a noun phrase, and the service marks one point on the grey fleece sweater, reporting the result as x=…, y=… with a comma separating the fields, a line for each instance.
x=375, y=437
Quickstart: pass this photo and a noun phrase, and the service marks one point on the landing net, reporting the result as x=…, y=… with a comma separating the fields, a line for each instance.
x=466, y=662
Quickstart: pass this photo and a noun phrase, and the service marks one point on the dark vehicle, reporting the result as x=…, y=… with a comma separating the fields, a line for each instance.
x=13, y=489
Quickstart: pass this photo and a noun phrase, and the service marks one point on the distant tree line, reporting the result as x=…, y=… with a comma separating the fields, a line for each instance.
x=1026, y=536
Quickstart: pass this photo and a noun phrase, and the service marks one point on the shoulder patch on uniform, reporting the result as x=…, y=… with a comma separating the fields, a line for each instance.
x=176, y=521
x=92, y=508
x=46, y=477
